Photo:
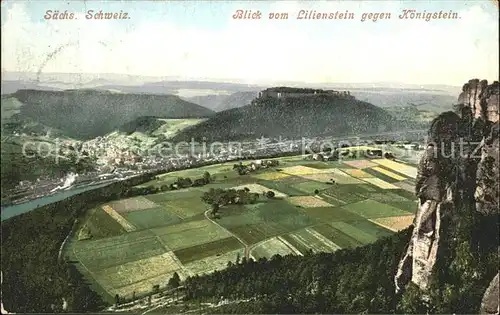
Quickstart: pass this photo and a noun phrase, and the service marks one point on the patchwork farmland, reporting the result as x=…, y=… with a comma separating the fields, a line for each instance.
x=129, y=246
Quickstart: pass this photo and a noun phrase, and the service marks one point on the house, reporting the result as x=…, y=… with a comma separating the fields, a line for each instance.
x=254, y=166
x=271, y=163
x=373, y=153
x=317, y=157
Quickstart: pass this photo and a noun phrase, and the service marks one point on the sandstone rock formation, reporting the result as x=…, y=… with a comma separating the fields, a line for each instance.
x=436, y=190
x=489, y=304
x=459, y=167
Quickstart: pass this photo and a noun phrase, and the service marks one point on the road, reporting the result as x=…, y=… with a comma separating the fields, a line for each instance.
x=247, y=251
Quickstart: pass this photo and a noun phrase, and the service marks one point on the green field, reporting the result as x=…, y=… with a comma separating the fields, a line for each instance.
x=364, y=237
x=309, y=187
x=189, y=234
x=118, y=250
x=327, y=214
x=175, y=232
x=173, y=126
x=286, y=188
x=340, y=238
x=101, y=225
x=372, y=209
x=312, y=240
x=150, y=218
x=181, y=203
x=205, y=250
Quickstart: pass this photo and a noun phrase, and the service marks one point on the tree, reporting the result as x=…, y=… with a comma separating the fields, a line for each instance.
x=215, y=209
x=316, y=191
x=270, y=194
x=175, y=281
x=206, y=177
x=254, y=197
x=156, y=288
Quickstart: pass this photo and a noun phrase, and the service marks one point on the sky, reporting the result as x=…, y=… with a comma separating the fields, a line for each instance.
x=201, y=40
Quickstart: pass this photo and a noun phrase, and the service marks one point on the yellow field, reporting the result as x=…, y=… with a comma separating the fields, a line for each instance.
x=271, y=247
x=357, y=173
x=335, y=174
x=304, y=170
x=331, y=245
x=212, y=263
x=256, y=188
x=271, y=175
x=360, y=148
x=140, y=275
x=395, y=223
x=146, y=285
x=388, y=173
x=308, y=202
x=294, y=250
x=118, y=218
x=309, y=238
x=360, y=163
x=380, y=183
x=404, y=169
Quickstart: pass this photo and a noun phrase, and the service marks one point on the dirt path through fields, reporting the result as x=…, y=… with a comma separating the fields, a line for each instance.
x=247, y=251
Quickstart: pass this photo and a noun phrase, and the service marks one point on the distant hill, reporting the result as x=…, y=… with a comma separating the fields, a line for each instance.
x=436, y=101
x=85, y=114
x=144, y=124
x=9, y=87
x=424, y=99
x=412, y=113
x=220, y=103
x=292, y=118
x=137, y=89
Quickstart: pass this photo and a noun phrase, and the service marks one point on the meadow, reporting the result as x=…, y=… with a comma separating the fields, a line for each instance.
x=137, y=243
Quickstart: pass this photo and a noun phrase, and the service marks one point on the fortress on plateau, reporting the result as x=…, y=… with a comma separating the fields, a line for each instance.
x=289, y=92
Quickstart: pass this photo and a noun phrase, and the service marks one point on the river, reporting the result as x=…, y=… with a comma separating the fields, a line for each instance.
x=14, y=210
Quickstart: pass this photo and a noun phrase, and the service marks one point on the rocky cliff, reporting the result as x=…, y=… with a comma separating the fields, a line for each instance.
x=457, y=178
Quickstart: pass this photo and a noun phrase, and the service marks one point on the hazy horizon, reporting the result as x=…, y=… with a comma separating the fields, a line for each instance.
x=32, y=77
x=200, y=40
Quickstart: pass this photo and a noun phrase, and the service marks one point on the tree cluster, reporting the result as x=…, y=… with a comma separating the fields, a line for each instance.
x=218, y=197
x=252, y=167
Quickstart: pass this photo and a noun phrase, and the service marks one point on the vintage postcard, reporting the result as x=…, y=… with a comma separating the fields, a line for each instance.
x=236, y=157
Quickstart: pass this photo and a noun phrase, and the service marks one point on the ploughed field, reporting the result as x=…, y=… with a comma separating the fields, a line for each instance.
x=141, y=242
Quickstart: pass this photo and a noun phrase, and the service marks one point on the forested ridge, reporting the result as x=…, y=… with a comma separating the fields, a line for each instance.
x=86, y=114
x=295, y=117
